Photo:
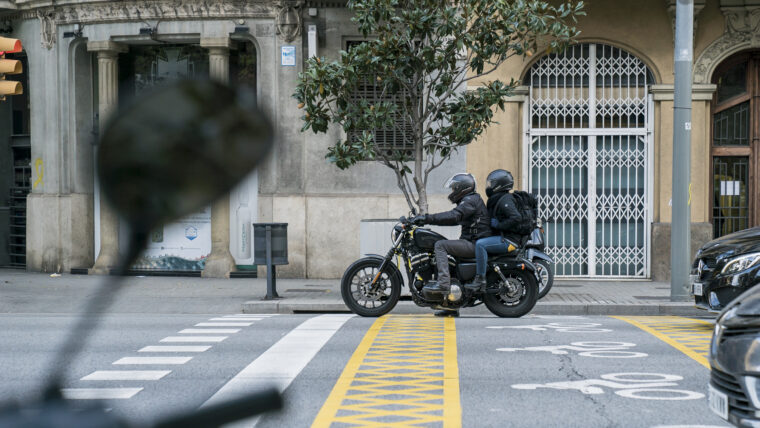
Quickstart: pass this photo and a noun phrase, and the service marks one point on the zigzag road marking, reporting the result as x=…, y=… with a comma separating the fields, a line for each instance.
x=403, y=373
x=688, y=335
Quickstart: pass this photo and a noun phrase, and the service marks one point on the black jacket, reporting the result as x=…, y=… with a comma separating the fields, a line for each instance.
x=501, y=206
x=470, y=213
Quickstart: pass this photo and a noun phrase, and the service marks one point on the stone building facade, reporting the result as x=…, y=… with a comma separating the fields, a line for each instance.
x=589, y=131
x=83, y=58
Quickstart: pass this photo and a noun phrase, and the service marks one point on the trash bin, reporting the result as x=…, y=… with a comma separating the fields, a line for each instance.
x=270, y=248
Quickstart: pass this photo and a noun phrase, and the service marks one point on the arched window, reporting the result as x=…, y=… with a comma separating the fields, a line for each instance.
x=734, y=131
x=588, y=147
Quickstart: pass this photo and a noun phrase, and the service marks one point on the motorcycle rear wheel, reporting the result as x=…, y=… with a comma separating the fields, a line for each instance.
x=546, y=272
x=354, y=288
x=511, y=305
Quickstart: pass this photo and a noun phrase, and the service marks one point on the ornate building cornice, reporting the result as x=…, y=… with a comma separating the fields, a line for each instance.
x=122, y=11
x=742, y=32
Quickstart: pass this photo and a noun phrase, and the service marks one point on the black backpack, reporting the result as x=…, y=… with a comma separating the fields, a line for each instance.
x=527, y=206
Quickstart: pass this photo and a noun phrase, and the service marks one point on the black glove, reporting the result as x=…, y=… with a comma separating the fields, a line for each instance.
x=403, y=220
x=419, y=220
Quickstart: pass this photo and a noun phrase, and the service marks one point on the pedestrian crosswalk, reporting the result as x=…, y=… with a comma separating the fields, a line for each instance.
x=341, y=370
x=196, y=339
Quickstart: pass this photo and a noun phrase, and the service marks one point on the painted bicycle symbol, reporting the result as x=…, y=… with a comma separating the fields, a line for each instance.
x=641, y=386
x=580, y=327
x=594, y=349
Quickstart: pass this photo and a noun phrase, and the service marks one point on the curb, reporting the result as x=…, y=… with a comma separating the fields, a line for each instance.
x=285, y=306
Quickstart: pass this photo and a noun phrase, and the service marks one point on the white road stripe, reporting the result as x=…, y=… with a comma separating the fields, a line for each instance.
x=178, y=348
x=209, y=330
x=223, y=324
x=99, y=393
x=282, y=362
x=127, y=375
x=193, y=339
x=250, y=315
x=236, y=319
x=153, y=360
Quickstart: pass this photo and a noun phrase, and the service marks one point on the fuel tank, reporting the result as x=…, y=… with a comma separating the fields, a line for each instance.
x=426, y=238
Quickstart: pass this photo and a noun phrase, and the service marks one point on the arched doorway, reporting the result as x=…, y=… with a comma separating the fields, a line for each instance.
x=184, y=245
x=589, y=154
x=734, y=147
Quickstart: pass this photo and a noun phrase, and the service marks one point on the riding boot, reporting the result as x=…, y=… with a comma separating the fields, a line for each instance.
x=477, y=284
x=447, y=313
x=435, y=287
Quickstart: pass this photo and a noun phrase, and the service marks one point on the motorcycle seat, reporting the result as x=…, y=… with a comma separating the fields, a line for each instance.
x=498, y=257
x=466, y=260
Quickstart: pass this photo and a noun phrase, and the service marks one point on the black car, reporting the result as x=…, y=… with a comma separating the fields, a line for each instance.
x=726, y=267
x=734, y=389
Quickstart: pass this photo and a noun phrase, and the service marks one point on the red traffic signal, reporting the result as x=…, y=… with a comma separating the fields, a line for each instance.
x=8, y=45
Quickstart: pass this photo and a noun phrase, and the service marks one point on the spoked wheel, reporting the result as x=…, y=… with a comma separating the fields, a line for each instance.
x=546, y=273
x=364, y=299
x=512, y=298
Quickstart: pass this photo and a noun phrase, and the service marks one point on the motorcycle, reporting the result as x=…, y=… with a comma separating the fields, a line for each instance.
x=534, y=249
x=371, y=286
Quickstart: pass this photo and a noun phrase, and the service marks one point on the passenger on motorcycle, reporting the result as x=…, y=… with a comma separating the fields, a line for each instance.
x=471, y=214
x=504, y=218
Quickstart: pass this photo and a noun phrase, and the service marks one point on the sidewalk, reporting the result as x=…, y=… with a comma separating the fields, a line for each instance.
x=28, y=292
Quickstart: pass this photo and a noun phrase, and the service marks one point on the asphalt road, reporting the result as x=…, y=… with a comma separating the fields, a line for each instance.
x=339, y=370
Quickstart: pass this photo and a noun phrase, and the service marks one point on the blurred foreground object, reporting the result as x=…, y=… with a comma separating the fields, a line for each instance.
x=165, y=155
x=174, y=151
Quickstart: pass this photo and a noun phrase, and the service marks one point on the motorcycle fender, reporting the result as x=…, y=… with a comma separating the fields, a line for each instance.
x=534, y=254
x=391, y=267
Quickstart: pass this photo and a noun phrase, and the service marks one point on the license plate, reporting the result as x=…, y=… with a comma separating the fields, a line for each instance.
x=718, y=402
x=696, y=289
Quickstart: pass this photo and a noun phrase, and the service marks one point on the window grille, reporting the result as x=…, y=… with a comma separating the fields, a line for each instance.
x=588, y=147
x=387, y=140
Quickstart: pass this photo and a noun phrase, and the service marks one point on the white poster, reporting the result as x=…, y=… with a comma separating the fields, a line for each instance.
x=288, y=55
x=183, y=245
x=243, y=213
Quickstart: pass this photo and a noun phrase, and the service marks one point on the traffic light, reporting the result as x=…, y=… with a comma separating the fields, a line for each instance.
x=9, y=66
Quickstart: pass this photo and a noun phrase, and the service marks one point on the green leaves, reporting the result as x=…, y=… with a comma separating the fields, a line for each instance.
x=411, y=76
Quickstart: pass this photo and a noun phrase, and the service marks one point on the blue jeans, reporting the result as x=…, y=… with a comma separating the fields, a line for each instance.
x=485, y=246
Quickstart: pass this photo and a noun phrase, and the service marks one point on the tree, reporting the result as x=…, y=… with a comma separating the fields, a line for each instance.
x=417, y=58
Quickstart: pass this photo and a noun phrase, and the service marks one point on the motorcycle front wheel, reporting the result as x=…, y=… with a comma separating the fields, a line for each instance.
x=512, y=298
x=359, y=294
x=545, y=271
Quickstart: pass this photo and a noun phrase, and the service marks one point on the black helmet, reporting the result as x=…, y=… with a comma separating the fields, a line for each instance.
x=461, y=185
x=499, y=180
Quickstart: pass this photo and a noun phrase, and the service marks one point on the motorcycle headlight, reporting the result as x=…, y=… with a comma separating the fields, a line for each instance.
x=738, y=264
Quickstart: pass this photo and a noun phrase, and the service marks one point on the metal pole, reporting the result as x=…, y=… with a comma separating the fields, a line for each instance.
x=680, y=239
x=271, y=287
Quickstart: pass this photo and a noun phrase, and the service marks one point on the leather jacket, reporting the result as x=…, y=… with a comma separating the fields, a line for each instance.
x=470, y=213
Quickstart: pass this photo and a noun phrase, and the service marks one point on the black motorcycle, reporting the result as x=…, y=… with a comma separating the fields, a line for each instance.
x=371, y=286
x=534, y=251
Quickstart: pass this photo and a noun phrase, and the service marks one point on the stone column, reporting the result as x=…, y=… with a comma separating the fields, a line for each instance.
x=108, y=100
x=220, y=262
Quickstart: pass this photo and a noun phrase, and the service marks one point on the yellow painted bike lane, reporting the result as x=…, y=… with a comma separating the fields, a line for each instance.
x=403, y=373
x=689, y=335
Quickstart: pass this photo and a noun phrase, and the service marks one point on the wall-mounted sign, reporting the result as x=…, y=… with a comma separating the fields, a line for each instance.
x=288, y=55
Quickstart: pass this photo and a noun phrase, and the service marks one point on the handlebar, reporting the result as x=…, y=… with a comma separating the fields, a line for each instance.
x=56, y=412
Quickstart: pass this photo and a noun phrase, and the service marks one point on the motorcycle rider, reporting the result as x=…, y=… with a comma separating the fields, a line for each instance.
x=504, y=218
x=470, y=213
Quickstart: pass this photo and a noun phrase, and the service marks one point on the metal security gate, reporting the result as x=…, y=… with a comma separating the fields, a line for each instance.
x=589, y=156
